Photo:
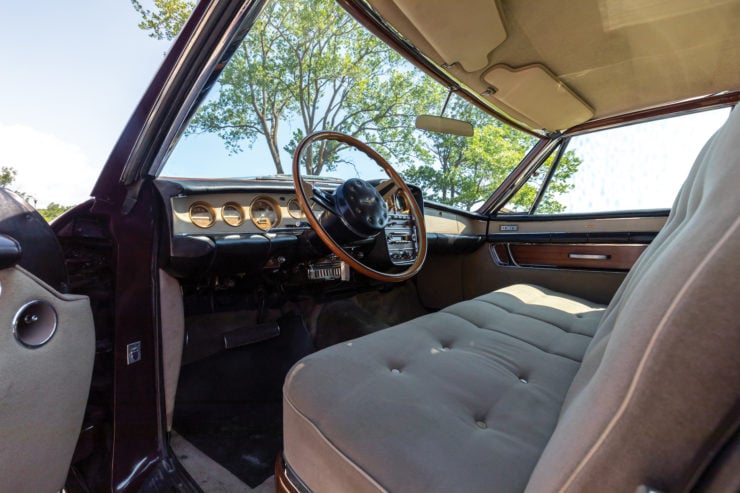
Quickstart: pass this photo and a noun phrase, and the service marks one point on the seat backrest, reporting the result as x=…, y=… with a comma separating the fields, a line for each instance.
x=42, y=253
x=660, y=382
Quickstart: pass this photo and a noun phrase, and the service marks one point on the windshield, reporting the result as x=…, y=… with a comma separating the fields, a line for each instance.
x=302, y=70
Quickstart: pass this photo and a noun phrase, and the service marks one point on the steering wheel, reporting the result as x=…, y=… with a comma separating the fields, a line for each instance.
x=358, y=211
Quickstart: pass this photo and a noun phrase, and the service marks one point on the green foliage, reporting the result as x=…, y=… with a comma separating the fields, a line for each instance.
x=7, y=179
x=53, y=210
x=7, y=176
x=166, y=21
x=462, y=171
x=560, y=184
x=523, y=200
x=316, y=67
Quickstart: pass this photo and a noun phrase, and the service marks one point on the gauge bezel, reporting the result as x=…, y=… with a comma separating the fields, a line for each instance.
x=301, y=214
x=210, y=209
x=275, y=206
x=400, y=202
x=239, y=208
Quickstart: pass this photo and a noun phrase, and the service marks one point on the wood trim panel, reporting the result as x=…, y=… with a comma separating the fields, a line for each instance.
x=579, y=256
x=502, y=253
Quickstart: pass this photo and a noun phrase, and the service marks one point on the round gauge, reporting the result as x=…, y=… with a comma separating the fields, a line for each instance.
x=294, y=209
x=232, y=214
x=265, y=213
x=317, y=210
x=202, y=214
x=400, y=202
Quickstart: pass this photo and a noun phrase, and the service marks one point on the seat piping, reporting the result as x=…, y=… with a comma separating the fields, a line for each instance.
x=646, y=357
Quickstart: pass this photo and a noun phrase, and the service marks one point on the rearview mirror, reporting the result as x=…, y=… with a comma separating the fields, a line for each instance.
x=444, y=125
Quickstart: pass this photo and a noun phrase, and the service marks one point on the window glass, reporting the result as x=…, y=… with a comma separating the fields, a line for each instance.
x=636, y=167
x=302, y=70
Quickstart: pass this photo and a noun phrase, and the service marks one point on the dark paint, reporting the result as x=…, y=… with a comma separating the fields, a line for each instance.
x=138, y=443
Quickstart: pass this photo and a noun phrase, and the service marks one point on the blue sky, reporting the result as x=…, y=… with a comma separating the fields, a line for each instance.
x=72, y=73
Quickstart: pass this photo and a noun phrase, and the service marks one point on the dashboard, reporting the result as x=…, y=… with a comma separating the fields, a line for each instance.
x=240, y=226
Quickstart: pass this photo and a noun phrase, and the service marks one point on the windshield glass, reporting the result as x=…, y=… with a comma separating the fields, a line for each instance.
x=302, y=70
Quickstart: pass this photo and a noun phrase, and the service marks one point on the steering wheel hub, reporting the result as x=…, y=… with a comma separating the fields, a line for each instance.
x=361, y=206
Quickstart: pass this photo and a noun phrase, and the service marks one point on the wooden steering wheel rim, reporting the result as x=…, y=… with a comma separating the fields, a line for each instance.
x=335, y=247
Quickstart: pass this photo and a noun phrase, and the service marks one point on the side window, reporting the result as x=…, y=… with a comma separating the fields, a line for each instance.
x=636, y=167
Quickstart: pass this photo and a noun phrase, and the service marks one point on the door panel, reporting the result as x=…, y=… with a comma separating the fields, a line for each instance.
x=47, y=347
x=447, y=279
x=545, y=251
x=583, y=256
x=484, y=275
x=46, y=360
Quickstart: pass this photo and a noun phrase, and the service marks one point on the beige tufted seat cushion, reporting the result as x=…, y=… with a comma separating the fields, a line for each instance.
x=540, y=391
x=476, y=387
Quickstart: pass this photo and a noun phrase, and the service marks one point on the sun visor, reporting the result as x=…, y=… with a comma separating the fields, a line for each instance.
x=464, y=35
x=537, y=95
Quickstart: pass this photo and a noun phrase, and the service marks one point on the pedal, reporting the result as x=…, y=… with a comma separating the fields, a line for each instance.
x=250, y=335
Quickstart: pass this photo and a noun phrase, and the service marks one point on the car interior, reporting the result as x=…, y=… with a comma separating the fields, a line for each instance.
x=337, y=334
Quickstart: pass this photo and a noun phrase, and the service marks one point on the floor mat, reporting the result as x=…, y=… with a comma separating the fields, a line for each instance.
x=229, y=405
x=365, y=313
x=211, y=476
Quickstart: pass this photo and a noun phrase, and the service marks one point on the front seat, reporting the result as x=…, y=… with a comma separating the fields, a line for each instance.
x=528, y=389
x=47, y=347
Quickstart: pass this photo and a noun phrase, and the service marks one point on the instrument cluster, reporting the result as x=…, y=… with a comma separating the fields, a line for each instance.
x=236, y=213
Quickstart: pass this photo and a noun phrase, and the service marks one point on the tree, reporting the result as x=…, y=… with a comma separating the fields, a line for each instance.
x=464, y=171
x=7, y=176
x=7, y=180
x=166, y=21
x=53, y=210
x=560, y=183
x=314, y=66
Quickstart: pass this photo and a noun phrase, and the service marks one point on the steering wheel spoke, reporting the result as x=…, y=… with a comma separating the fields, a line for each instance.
x=324, y=199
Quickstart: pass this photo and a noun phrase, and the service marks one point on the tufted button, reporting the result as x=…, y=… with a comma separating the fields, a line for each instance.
x=395, y=371
x=523, y=380
x=445, y=348
x=481, y=424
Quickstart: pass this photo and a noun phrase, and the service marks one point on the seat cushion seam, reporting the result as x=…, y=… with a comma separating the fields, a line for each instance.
x=530, y=344
x=532, y=317
x=515, y=338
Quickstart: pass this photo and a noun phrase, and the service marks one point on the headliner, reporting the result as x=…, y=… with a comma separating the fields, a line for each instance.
x=553, y=68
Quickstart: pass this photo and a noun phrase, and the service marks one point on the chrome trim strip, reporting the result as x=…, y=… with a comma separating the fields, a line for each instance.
x=588, y=256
